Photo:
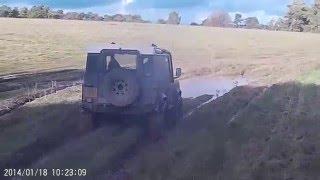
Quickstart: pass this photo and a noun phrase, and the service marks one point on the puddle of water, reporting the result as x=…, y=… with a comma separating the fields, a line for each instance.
x=210, y=85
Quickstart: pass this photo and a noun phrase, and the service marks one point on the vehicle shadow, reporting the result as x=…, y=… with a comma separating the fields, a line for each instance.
x=31, y=132
x=249, y=133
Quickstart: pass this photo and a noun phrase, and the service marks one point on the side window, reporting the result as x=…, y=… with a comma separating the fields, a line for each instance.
x=161, y=68
x=92, y=62
x=147, y=64
x=108, y=59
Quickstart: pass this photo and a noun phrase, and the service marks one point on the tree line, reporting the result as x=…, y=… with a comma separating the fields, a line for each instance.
x=47, y=13
x=220, y=19
x=300, y=17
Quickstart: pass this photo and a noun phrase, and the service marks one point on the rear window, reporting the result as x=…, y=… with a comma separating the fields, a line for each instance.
x=128, y=61
x=147, y=65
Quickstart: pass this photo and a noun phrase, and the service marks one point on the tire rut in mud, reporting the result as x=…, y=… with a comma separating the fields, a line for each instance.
x=117, y=170
x=204, y=131
x=18, y=89
x=42, y=147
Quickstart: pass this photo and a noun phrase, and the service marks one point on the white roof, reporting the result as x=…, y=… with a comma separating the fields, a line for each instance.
x=142, y=50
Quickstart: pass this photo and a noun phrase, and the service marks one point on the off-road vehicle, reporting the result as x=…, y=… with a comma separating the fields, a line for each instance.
x=127, y=81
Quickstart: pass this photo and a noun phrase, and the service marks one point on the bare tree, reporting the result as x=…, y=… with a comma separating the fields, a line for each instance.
x=174, y=18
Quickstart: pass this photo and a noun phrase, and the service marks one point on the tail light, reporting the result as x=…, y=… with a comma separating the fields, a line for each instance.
x=90, y=92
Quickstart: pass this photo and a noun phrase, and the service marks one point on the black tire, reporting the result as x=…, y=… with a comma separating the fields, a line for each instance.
x=95, y=120
x=156, y=125
x=174, y=115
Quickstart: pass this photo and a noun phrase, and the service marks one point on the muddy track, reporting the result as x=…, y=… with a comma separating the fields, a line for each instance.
x=42, y=147
x=18, y=81
x=30, y=154
x=8, y=105
x=118, y=170
x=18, y=89
x=193, y=105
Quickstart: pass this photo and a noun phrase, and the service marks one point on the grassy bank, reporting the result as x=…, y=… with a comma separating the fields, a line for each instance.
x=251, y=133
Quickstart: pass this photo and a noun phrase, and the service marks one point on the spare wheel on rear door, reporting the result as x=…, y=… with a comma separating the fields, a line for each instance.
x=121, y=87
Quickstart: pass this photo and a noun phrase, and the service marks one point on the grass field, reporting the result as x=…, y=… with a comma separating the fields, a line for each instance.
x=264, y=56
x=252, y=132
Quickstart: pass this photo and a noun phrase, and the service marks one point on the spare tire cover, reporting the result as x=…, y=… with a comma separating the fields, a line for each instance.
x=121, y=86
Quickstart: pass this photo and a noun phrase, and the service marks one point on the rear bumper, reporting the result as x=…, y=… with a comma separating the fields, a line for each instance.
x=108, y=109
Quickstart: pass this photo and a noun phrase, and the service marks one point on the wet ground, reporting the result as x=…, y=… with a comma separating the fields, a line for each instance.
x=216, y=86
x=41, y=132
x=18, y=89
x=244, y=134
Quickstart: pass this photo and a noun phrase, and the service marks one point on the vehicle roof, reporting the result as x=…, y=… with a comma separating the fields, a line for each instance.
x=151, y=50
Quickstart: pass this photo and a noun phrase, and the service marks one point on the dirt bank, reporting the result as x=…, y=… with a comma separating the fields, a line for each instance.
x=250, y=133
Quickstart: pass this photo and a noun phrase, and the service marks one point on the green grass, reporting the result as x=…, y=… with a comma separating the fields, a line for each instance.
x=196, y=149
x=312, y=77
x=276, y=134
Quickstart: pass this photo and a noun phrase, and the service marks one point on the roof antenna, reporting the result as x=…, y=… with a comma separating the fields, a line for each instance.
x=113, y=43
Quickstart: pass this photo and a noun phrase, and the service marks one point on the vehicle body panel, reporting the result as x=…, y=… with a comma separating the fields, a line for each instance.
x=154, y=72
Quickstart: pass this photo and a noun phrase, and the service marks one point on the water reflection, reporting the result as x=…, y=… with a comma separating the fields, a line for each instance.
x=210, y=85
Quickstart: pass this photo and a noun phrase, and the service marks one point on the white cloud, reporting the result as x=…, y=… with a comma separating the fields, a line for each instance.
x=124, y=4
x=127, y=2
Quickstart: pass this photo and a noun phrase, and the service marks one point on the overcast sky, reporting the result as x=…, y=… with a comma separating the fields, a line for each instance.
x=190, y=10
